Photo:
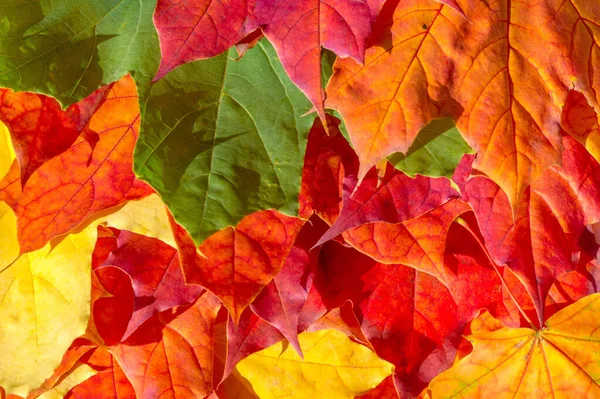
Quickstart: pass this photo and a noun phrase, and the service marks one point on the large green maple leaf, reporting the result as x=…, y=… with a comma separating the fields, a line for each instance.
x=223, y=138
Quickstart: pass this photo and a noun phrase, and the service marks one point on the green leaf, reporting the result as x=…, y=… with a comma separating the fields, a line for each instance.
x=327, y=59
x=222, y=138
x=436, y=151
x=69, y=48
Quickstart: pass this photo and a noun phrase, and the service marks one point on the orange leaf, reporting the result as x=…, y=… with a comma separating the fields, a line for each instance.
x=72, y=187
x=237, y=263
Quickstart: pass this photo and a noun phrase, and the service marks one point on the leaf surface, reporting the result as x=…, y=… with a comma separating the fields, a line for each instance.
x=281, y=301
x=172, y=354
x=411, y=319
x=41, y=130
x=237, y=263
x=490, y=74
x=559, y=360
x=436, y=151
x=79, y=183
x=333, y=366
x=67, y=50
x=554, y=214
x=223, y=138
x=150, y=267
x=397, y=198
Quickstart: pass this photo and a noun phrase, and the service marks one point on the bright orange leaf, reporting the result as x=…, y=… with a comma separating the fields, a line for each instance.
x=72, y=187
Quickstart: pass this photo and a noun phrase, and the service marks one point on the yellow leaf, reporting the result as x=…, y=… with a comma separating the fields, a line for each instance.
x=7, y=154
x=45, y=294
x=74, y=378
x=334, y=367
x=44, y=306
x=562, y=360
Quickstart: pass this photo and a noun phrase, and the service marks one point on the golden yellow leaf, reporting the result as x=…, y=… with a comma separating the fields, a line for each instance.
x=7, y=154
x=562, y=360
x=334, y=367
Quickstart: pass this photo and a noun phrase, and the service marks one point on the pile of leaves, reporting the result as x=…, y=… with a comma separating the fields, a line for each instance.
x=299, y=199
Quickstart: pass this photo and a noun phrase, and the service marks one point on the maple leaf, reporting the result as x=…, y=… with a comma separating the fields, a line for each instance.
x=557, y=360
x=282, y=300
x=237, y=263
x=172, y=352
x=251, y=335
x=77, y=184
x=152, y=272
x=69, y=49
x=333, y=366
x=411, y=318
x=397, y=198
x=192, y=30
x=40, y=130
x=554, y=214
x=223, y=138
x=491, y=73
x=329, y=158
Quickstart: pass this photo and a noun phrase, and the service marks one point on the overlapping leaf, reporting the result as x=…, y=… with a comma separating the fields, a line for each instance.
x=504, y=75
x=68, y=50
x=80, y=182
x=223, y=138
x=558, y=361
x=237, y=263
x=554, y=214
x=333, y=366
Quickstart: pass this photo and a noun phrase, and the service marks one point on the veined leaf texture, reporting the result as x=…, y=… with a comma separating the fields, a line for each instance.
x=337, y=199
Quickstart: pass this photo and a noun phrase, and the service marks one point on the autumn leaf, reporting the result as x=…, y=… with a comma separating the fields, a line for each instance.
x=41, y=130
x=152, y=270
x=108, y=379
x=282, y=300
x=333, y=366
x=45, y=296
x=72, y=187
x=223, y=138
x=403, y=83
x=173, y=353
x=329, y=158
x=554, y=214
x=194, y=30
x=557, y=360
x=251, y=335
x=411, y=318
x=237, y=263
x=504, y=75
x=393, y=200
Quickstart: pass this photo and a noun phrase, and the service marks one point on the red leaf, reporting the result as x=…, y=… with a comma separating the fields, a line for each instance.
x=191, y=30
x=237, y=263
x=154, y=278
x=172, y=354
x=252, y=335
x=281, y=301
x=554, y=214
x=396, y=199
x=110, y=379
x=41, y=130
x=329, y=158
x=70, y=189
x=410, y=318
